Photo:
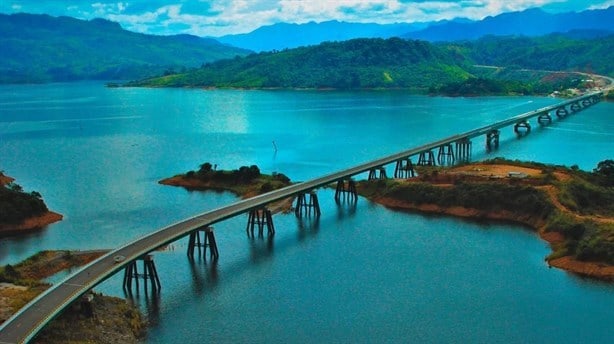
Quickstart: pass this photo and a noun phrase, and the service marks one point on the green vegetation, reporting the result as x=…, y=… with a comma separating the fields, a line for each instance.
x=245, y=181
x=583, y=216
x=444, y=68
x=353, y=64
x=486, y=196
x=554, y=52
x=41, y=48
x=17, y=205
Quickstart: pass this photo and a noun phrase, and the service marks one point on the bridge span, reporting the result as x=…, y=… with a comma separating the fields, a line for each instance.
x=27, y=322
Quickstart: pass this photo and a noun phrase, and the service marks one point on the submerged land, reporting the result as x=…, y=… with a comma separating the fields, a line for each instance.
x=571, y=209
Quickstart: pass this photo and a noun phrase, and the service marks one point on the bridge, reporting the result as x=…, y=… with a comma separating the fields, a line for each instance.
x=28, y=321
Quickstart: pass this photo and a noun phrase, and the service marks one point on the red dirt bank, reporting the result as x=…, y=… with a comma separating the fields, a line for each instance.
x=590, y=269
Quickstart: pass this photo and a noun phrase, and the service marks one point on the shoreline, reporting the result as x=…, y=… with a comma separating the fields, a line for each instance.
x=31, y=224
x=595, y=270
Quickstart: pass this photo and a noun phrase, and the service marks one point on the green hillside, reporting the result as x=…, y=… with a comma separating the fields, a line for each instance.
x=41, y=48
x=555, y=52
x=357, y=63
x=444, y=68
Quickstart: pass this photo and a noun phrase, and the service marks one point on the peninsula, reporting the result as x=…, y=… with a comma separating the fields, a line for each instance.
x=571, y=209
x=22, y=212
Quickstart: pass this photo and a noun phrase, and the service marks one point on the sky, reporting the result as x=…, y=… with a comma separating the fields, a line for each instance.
x=221, y=17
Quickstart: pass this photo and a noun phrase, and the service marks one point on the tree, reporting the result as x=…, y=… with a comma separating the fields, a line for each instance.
x=605, y=168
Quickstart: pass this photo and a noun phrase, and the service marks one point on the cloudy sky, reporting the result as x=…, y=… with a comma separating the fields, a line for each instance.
x=220, y=17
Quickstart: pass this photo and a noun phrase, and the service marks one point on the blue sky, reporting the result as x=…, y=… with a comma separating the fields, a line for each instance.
x=220, y=17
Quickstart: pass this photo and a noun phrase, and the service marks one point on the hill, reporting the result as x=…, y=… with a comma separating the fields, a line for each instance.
x=531, y=22
x=357, y=63
x=562, y=52
x=41, y=48
x=286, y=36
x=398, y=63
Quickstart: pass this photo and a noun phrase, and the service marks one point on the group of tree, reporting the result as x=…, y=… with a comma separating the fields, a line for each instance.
x=398, y=63
x=42, y=48
x=17, y=205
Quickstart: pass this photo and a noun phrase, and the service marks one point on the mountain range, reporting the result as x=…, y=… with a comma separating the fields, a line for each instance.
x=41, y=48
x=531, y=22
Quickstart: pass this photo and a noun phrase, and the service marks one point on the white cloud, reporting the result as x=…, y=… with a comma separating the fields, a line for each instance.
x=604, y=5
x=219, y=17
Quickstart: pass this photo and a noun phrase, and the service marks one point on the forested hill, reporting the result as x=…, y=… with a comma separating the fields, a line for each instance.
x=562, y=52
x=41, y=48
x=357, y=63
x=398, y=63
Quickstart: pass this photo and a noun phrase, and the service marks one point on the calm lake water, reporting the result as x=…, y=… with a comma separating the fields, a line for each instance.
x=360, y=273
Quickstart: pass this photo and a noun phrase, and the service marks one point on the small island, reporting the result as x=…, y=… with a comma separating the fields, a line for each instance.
x=95, y=319
x=571, y=209
x=246, y=182
x=21, y=212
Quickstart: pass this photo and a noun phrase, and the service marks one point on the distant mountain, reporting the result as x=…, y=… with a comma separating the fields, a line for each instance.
x=285, y=36
x=41, y=48
x=352, y=64
x=531, y=22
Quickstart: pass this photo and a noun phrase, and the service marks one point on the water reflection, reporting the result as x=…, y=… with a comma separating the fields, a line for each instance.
x=204, y=274
x=307, y=227
x=260, y=248
x=149, y=303
x=346, y=208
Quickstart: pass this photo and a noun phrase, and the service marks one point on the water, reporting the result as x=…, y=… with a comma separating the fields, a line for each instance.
x=359, y=274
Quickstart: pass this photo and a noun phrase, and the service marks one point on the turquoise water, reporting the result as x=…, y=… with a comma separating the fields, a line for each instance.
x=359, y=274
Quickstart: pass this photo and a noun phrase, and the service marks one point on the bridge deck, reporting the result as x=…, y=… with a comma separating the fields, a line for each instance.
x=24, y=325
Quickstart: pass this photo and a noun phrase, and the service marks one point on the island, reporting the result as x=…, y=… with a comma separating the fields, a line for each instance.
x=571, y=209
x=95, y=319
x=22, y=212
x=247, y=181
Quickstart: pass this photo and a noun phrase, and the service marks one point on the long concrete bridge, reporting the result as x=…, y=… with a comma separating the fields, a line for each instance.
x=27, y=322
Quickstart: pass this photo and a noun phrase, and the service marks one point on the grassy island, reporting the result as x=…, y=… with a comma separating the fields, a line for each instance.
x=97, y=319
x=572, y=209
x=21, y=211
x=247, y=181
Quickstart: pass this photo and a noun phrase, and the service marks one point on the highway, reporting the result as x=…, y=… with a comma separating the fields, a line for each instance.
x=27, y=322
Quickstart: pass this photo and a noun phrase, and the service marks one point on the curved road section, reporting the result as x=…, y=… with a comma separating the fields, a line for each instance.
x=28, y=321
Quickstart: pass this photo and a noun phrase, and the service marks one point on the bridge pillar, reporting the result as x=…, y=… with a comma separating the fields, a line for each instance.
x=575, y=107
x=522, y=128
x=344, y=190
x=463, y=149
x=404, y=169
x=149, y=272
x=207, y=241
x=586, y=102
x=492, y=139
x=561, y=112
x=445, y=156
x=377, y=173
x=260, y=218
x=544, y=118
x=426, y=159
x=307, y=206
